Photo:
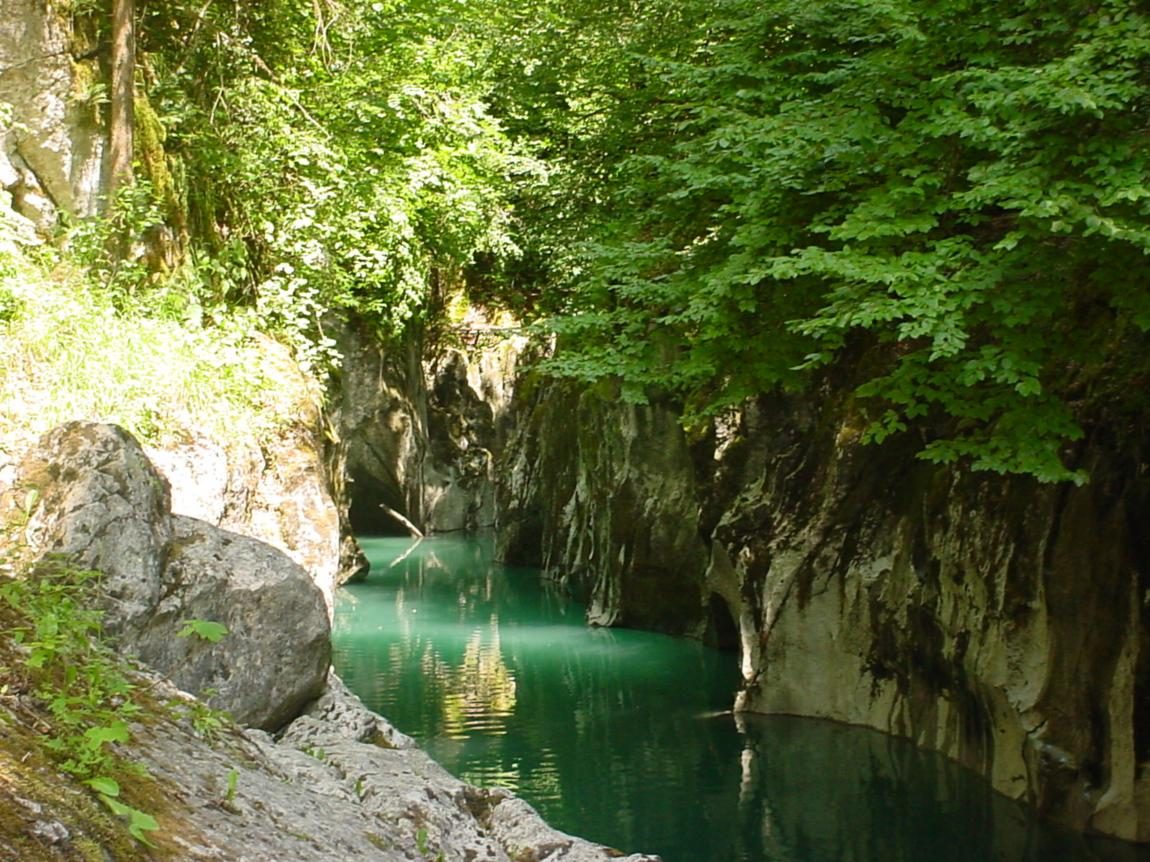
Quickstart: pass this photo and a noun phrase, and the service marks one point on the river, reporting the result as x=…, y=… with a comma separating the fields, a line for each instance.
x=626, y=737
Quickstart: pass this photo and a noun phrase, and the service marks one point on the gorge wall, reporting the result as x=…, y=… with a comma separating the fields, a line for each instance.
x=997, y=620
x=418, y=424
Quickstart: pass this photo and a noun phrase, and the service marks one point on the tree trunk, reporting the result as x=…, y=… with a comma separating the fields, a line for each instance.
x=123, y=106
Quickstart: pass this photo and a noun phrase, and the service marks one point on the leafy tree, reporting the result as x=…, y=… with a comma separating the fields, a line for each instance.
x=951, y=194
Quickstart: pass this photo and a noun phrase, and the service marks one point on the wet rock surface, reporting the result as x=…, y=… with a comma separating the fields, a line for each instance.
x=602, y=494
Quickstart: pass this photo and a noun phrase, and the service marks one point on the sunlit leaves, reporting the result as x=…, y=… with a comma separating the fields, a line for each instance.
x=951, y=186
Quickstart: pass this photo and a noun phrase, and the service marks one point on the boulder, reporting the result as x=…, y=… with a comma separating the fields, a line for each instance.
x=89, y=492
x=276, y=484
x=277, y=649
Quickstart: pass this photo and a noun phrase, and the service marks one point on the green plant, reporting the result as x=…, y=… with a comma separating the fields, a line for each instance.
x=233, y=786
x=139, y=823
x=108, y=246
x=10, y=303
x=207, y=630
x=67, y=666
x=206, y=721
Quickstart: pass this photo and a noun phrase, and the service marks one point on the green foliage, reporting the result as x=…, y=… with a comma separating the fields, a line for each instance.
x=139, y=823
x=9, y=305
x=141, y=359
x=104, y=245
x=207, y=630
x=233, y=786
x=69, y=668
x=954, y=192
x=333, y=159
x=206, y=721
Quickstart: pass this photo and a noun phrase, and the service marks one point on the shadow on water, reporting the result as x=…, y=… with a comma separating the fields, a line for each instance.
x=625, y=737
x=815, y=791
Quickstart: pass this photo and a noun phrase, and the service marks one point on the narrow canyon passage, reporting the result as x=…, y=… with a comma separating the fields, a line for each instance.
x=626, y=736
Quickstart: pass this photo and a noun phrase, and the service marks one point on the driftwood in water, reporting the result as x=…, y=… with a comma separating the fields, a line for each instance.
x=411, y=528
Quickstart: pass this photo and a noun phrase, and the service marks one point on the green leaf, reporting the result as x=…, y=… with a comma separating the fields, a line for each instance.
x=98, y=736
x=208, y=630
x=104, y=786
x=139, y=822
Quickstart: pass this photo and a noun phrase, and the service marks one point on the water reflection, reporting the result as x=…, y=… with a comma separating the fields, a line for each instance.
x=625, y=737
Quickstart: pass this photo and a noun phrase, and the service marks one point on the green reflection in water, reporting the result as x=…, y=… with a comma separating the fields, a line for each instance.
x=624, y=737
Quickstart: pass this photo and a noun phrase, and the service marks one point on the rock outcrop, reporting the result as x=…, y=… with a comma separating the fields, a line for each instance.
x=89, y=492
x=418, y=432
x=342, y=784
x=997, y=620
x=51, y=144
x=602, y=495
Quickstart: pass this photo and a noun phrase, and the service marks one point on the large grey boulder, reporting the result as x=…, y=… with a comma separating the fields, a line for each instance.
x=277, y=649
x=89, y=492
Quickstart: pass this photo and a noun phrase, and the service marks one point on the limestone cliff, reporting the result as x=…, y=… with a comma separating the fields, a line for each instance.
x=51, y=143
x=602, y=495
x=997, y=620
x=418, y=424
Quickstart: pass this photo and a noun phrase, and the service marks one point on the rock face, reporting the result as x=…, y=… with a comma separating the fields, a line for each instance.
x=418, y=434
x=999, y=621
x=51, y=149
x=603, y=495
x=277, y=486
x=996, y=620
x=89, y=492
x=276, y=491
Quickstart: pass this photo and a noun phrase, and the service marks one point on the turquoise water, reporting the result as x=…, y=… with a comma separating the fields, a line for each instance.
x=625, y=737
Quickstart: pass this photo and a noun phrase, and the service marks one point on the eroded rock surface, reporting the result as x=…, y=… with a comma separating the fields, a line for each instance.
x=603, y=494
x=997, y=620
x=51, y=149
x=419, y=432
x=277, y=486
x=89, y=492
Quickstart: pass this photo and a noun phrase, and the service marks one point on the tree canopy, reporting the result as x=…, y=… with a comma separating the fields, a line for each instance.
x=951, y=196
x=947, y=200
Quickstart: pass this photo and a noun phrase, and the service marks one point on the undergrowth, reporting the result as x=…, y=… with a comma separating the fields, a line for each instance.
x=63, y=680
x=73, y=349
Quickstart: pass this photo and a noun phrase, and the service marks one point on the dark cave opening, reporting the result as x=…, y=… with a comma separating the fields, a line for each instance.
x=722, y=630
x=369, y=501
